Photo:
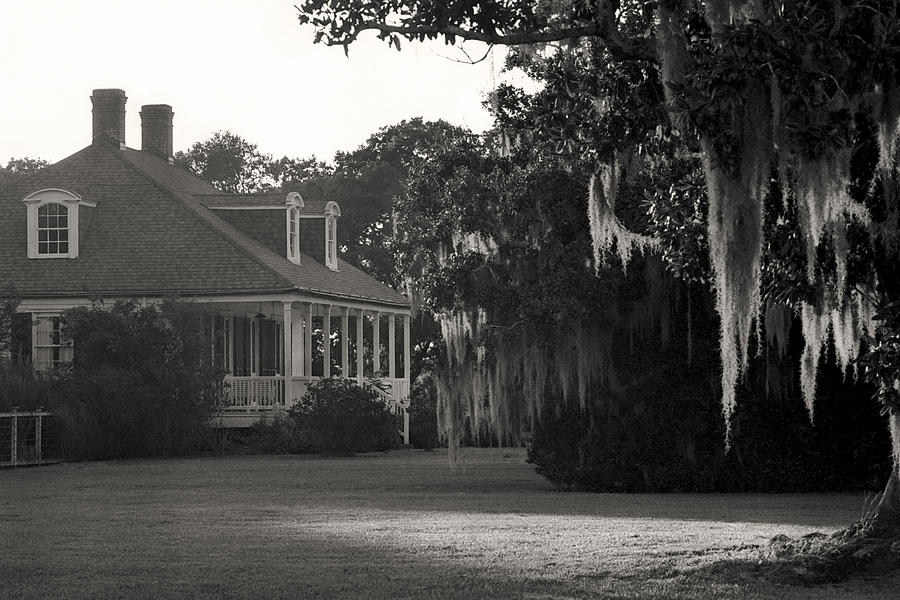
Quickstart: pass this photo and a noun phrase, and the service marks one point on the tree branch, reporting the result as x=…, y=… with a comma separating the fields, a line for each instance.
x=469, y=60
x=619, y=46
x=339, y=23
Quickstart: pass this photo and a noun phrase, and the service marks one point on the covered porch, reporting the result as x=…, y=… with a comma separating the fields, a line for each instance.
x=272, y=350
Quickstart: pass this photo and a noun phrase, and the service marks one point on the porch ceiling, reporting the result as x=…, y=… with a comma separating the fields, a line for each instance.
x=275, y=308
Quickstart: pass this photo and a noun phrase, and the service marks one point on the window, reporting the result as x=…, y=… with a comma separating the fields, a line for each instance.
x=332, y=212
x=52, y=221
x=293, y=203
x=331, y=242
x=51, y=349
x=53, y=230
x=294, y=234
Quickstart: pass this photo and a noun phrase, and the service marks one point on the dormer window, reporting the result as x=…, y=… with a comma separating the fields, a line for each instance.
x=293, y=233
x=53, y=230
x=294, y=203
x=52, y=220
x=332, y=212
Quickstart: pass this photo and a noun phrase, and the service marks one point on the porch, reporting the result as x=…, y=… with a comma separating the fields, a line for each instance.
x=274, y=350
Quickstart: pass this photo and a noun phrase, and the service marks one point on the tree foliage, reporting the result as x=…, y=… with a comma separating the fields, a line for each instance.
x=498, y=249
x=791, y=111
x=24, y=166
x=339, y=22
x=229, y=162
x=366, y=181
x=235, y=165
x=142, y=383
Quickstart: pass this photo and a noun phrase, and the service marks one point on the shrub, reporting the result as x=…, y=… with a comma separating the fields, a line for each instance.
x=663, y=431
x=273, y=434
x=9, y=301
x=142, y=382
x=336, y=415
x=668, y=436
x=423, y=431
x=22, y=388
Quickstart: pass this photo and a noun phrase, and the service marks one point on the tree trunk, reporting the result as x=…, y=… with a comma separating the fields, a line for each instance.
x=887, y=517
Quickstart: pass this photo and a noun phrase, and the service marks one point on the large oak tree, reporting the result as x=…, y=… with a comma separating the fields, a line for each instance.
x=792, y=109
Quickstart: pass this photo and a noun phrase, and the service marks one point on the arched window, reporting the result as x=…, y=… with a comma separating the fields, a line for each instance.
x=332, y=212
x=53, y=230
x=294, y=203
x=53, y=223
x=331, y=242
x=294, y=232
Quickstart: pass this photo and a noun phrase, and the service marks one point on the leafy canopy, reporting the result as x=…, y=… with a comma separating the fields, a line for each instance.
x=235, y=165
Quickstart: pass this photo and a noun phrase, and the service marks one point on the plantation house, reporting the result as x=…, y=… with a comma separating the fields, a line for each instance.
x=282, y=308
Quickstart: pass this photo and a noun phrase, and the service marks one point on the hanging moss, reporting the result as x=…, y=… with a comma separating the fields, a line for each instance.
x=752, y=130
x=888, y=121
x=778, y=317
x=497, y=375
x=848, y=322
x=821, y=188
x=606, y=229
x=736, y=198
x=815, y=334
x=501, y=389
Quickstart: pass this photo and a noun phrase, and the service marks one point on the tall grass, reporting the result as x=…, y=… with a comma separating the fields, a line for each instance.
x=23, y=389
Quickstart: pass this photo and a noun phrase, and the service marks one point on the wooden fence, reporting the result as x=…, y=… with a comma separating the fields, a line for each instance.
x=27, y=438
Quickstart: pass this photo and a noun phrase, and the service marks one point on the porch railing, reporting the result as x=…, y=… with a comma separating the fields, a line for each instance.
x=254, y=393
x=395, y=393
x=399, y=388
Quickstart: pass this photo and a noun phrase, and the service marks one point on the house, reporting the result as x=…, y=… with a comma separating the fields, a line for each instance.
x=113, y=222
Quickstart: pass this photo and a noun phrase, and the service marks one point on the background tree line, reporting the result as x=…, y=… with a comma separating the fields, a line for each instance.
x=495, y=226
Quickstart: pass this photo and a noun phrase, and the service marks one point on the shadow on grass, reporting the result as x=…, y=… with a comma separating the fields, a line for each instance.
x=813, y=560
x=266, y=568
x=423, y=482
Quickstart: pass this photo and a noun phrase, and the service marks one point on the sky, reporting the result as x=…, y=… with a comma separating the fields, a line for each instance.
x=242, y=65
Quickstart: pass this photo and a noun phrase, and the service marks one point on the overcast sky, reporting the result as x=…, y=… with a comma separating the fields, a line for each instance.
x=243, y=65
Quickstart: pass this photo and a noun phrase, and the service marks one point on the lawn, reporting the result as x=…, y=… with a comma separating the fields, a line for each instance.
x=394, y=525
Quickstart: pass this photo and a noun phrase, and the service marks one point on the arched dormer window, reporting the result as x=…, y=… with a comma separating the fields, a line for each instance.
x=332, y=212
x=294, y=203
x=53, y=229
x=52, y=221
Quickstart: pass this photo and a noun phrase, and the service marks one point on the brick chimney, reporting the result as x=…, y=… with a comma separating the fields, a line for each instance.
x=156, y=130
x=109, y=115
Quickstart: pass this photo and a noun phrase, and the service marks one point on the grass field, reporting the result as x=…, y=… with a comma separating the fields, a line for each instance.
x=395, y=525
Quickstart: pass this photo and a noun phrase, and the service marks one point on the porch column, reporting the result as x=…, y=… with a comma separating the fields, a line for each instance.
x=376, y=345
x=345, y=350
x=307, y=340
x=392, y=348
x=407, y=371
x=287, y=340
x=296, y=330
x=407, y=375
x=360, y=349
x=326, y=343
x=254, y=347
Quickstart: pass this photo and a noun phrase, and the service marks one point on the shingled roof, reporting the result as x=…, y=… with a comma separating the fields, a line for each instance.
x=269, y=199
x=152, y=233
x=7, y=177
